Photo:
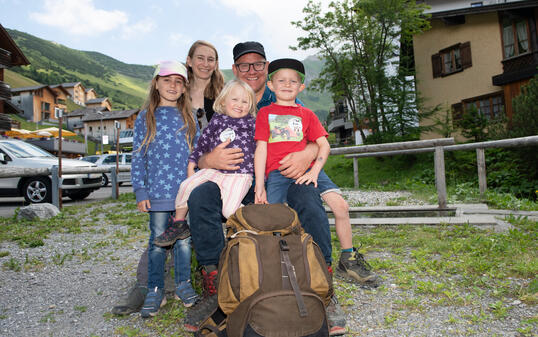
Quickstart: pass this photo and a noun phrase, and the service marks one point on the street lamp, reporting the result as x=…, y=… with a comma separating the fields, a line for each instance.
x=100, y=113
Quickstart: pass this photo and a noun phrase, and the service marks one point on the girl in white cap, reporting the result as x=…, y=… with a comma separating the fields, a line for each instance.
x=164, y=134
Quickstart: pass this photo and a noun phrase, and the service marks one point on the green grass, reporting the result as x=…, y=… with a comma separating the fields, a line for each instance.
x=16, y=80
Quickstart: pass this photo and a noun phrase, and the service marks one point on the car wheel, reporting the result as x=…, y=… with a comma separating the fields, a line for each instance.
x=79, y=195
x=37, y=190
x=104, y=180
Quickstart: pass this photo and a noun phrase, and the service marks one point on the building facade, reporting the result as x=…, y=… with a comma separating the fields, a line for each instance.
x=476, y=55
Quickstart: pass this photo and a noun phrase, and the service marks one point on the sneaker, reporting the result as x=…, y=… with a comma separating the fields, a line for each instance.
x=336, y=318
x=133, y=302
x=155, y=300
x=176, y=230
x=186, y=293
x=352, y=266
x=205, y=307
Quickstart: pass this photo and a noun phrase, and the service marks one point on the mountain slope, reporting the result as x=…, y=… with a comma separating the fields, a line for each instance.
x=124, y=84
x=51, y=63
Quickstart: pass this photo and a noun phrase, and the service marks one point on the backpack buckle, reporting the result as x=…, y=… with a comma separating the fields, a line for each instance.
x=284, y=245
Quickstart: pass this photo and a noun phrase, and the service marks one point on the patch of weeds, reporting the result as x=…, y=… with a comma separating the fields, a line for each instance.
x=86, y=271
x=33, y=263
x=108, y=316
x=3, y=316
x=397, y=201
x=12, y=264
x=59, y=259
x=80, y=308
x=452, y=320
x=390, y=318
x=345, y=292
x=166, y=321
x=48, y=318
x=4, y=253
x=498, y=309
x=412, y=303
x=429, y=287
x=477, y=318
x=129, y=331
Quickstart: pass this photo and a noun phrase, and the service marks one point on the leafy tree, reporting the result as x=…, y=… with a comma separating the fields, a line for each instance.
x=361, y=43
x=525, y=119
x=473, y=125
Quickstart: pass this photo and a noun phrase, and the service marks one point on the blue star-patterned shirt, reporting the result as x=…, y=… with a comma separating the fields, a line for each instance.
x=239, y=130
x=157, y=173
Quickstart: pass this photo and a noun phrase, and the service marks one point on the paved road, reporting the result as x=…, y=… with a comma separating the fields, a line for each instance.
x=8, y=205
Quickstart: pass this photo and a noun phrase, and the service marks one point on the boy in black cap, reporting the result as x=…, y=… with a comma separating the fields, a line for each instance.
x=285, y=127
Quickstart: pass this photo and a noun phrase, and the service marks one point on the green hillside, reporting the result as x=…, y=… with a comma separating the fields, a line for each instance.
x=16, y=80
x=51, y=63
x=124, y=84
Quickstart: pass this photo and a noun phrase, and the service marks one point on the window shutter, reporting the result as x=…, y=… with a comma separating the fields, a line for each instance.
x=437, y=65
x=457, y=114
x=465, y=52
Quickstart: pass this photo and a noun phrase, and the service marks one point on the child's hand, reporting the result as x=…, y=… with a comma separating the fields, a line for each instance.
x=260, y=196
x=307, y=178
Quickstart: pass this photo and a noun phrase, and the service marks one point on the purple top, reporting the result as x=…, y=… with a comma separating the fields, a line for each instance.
x=222, y=127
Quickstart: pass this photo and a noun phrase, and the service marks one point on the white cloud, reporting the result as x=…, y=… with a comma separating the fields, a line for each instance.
x=79, y=17
x=142, y=27
x=274, y=18
x=179, y=40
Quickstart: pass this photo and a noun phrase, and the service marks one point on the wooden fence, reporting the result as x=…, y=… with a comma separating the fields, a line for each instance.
x=433, y=145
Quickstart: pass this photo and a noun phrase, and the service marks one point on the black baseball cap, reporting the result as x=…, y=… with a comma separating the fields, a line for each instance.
x=292, y=64
x=243, y=48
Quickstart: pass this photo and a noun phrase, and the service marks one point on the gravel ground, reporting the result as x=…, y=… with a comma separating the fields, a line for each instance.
x=68, y=286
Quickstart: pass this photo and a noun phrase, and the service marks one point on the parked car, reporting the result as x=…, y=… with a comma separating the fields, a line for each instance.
x=38, y=189
x=109, y=160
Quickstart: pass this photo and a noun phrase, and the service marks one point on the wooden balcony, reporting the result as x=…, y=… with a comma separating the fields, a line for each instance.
x=517, y=68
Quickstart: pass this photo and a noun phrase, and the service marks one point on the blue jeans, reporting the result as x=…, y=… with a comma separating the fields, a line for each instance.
x=205, y=208
x=278, y=185
x=158, y=222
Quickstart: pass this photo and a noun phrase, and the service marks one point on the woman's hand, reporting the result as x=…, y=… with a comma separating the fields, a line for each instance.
x=143, y=206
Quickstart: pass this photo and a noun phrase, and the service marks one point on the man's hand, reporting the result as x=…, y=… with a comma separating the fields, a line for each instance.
x=295, y=164
x=222, y=158
x=143, y=206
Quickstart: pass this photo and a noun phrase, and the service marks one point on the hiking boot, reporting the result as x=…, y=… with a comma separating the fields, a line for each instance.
x=205, y=307
x=336, y=318
x=132, y=302
x=176, y=230
x=186, y=293
x=353, y=267
x=155, y=300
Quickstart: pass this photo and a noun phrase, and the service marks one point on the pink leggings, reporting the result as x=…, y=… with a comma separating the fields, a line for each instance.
x=233, y=188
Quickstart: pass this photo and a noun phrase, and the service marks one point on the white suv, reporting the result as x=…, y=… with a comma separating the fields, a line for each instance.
x=109, y=160
x=38, y=189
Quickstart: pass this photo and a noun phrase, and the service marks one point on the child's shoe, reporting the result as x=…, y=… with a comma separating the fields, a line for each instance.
x=155, y=300
x=176, y=230
x=352, y=266
x=186, y=293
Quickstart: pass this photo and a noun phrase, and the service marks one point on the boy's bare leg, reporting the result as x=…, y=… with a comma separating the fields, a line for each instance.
x=351, y=264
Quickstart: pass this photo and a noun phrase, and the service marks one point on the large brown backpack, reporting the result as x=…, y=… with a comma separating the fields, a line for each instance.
x=273, y=279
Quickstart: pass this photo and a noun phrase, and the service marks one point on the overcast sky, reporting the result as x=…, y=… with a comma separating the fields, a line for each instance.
x=146, y=32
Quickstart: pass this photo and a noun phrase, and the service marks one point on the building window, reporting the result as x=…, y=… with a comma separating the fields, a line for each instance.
x=451, y=60
x=91, y=129
x=490, y=106
x=515, y=36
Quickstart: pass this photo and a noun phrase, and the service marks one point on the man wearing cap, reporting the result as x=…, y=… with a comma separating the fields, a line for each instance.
x=250, y=66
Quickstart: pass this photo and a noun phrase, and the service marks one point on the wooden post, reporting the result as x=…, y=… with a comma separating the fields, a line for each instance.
x=356, y=172
x=481, y=165
x=440, y=181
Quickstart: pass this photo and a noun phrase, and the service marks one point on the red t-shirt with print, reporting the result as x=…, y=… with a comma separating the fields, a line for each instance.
x=286, y=129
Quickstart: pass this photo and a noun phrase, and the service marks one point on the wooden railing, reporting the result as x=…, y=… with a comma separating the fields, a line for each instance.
x=433, y=145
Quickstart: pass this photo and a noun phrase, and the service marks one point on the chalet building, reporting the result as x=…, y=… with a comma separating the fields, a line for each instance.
x=477, y=55
x=10, y=56
x=37, y=102
x=61, y=96
x=100, y=102
x=74, y=121
x=101, y=123
x=77, y=92
x=90, y=94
